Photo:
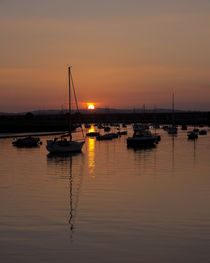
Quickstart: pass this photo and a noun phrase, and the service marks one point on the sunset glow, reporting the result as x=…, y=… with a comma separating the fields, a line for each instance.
x=91, y=106
x=161, y=56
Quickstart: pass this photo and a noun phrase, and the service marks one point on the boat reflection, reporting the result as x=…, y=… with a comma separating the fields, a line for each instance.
x=74, y=175
x=142, y=149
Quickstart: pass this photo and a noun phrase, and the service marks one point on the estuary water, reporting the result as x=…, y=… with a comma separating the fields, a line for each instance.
x=108, y=203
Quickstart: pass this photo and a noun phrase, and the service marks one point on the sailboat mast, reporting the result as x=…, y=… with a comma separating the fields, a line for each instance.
x=69, y=73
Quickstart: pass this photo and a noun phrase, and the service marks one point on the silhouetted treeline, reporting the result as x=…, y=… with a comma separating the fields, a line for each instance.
x=30, y=122
x=192, y=118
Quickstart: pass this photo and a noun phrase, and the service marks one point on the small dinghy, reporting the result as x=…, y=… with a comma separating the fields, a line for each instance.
x=27, y=142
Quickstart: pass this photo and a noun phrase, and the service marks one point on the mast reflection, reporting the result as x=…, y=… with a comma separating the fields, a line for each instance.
x=70, y=198
x=194, y=153
x=65, y=162
x=172, y=151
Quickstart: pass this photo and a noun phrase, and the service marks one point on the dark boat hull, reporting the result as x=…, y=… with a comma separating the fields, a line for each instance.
x=141, y=142
x=27, y=142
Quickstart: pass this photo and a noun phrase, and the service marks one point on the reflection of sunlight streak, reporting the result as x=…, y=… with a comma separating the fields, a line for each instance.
x=92, y=129
x=91, y=155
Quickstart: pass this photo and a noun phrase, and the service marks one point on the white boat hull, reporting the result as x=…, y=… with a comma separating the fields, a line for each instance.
x=56, y=147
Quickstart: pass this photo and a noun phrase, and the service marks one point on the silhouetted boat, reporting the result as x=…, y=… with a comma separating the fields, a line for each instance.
x=107, y=136
x=138, y=127
x=196, y=130
x=114, y=135
x=192, y=135
x=165, y=127
x=158, y=137
x=27, y=142
x=184, y=127
x=142, y=138
x=172, y=130
x=92, y=134
x=107, y=129
x=203, y=132
x=66, y=145
x=100, y=126
x=122, y=133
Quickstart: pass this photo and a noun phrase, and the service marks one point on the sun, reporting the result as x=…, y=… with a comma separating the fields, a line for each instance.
x=91, y=106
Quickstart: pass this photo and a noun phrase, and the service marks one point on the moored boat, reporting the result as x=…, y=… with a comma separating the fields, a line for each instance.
x=122, y=133
x=27, y=142
x=66, y=145
x=103, y=137
x=107, y=129
x=92, y=134
x=184, y=127
x=196, y=130
x=137, y=127
x=203, y=132
x=192, y=135
x=142, y=138
x=172, y=130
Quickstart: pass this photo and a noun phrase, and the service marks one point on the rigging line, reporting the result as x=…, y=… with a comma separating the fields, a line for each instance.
x=65, y=92
x=75, y=97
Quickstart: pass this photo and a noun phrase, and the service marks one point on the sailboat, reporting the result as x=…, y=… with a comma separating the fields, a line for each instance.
x=66, y=144
x=172, y=129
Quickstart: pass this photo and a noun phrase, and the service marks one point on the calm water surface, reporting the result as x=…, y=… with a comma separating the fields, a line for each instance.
x=107, y=204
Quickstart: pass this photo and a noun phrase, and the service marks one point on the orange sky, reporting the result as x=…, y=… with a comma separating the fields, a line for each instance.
x=124, y=53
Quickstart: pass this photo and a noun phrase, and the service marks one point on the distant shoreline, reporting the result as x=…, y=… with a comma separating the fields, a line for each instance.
x=12, y=135
x=53, y=123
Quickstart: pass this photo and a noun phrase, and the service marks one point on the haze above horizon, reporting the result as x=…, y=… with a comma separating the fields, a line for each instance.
x=124, y=53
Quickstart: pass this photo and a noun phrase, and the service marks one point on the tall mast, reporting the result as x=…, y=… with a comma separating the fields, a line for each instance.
x=69, y=73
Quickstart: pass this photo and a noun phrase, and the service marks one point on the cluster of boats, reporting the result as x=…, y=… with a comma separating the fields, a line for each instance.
x=170, y=129
x=110, y=136
x=142, y=136
x=107, y=128
x=195, y=132
x=106, y=136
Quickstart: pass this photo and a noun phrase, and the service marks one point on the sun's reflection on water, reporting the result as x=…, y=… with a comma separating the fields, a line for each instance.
x=91, y=153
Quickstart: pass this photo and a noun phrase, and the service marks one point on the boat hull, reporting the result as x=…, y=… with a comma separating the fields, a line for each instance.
x=55, y=147
x=172, y=130
x=27, y=142
x=192, y=136
x=141, y=142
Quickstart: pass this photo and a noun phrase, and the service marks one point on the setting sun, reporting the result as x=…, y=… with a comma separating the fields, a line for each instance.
x=91, y=106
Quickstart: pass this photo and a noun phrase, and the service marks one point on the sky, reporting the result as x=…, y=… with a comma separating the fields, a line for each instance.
x=123, y=53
